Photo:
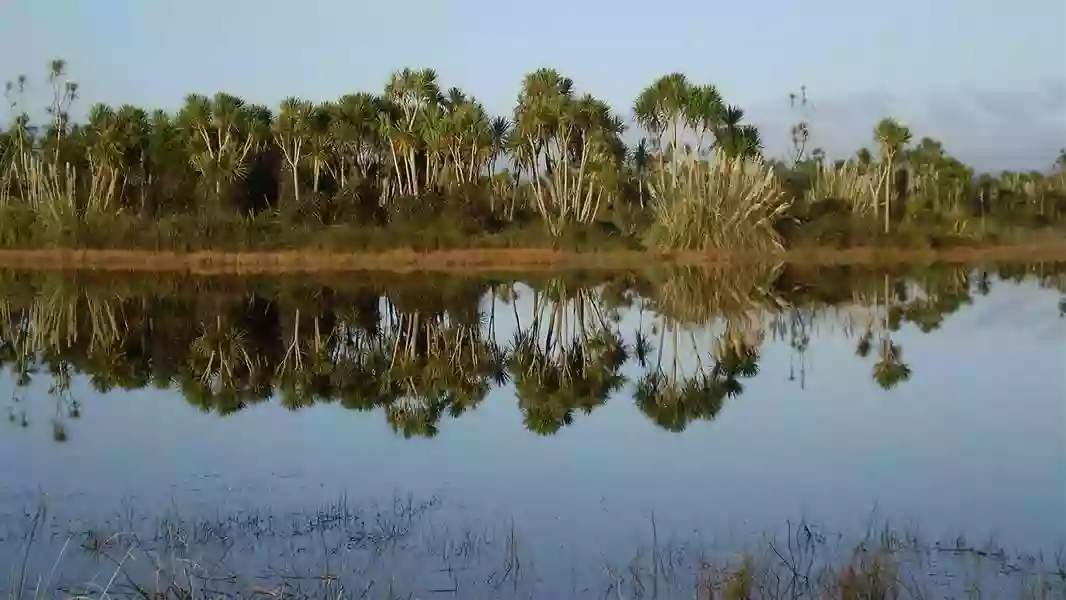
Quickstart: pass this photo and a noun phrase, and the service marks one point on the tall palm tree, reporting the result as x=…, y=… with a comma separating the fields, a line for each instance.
x=661, y=108
x=412, y=92
x=864, y=157
x=641, y=159
x=470, y=140
x=704, y=112
x=221, y=134
x=291, y=132
x=354, y=130
x=544, y=95
x=578, y=142
x=135, y=131
x=892, y=138
x=320, y=142
x=500, y=127
x=64, y=93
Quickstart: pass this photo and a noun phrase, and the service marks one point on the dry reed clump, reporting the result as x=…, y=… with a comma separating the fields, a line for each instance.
x=48, y=192
x=720, y=203
x=847, y=182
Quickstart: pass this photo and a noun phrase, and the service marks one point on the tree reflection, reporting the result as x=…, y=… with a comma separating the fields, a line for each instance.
x=566, y=359
x=438, y=364
x=890, y=370
x=674, y=400
x=674, y=395
x=422, y=350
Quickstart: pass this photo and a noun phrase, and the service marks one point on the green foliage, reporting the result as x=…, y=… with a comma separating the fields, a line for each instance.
x=415, y=166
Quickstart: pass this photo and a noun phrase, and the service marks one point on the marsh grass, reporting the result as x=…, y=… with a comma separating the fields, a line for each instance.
x=410, y=549
x=49, y=210
x=849, y=182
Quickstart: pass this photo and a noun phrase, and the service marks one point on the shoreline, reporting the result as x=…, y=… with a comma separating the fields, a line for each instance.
x=493, y=259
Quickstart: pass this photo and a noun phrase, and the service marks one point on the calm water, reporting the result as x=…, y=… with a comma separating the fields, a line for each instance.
x=578, y=409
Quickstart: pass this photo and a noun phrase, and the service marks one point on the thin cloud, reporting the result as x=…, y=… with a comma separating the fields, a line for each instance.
x=990, y=129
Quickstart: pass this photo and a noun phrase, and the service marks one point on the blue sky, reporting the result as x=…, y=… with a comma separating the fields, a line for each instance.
x=986, y=76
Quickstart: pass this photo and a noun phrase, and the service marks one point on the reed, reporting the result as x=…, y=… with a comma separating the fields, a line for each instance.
x=719, y=203
x=857, y=186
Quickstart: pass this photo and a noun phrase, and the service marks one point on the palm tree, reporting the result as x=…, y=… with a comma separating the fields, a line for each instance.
x=412, y=92
x=470, y=140
x=104, y=151
x=64, y=92
x=117, y=150
x=864, y=157
x=662, y=108
x=221, y=134
x=577, y=140
x=741, y=142
x=291, y=131
x=641, y=159
x=454, y=98
x=320, y=146
x=501, y=127
x=135, y=131
x=544, y=95
x=892, y=138
x=736, y=139
x=355, y=135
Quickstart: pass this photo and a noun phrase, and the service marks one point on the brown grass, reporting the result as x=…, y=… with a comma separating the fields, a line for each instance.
x=487, y=260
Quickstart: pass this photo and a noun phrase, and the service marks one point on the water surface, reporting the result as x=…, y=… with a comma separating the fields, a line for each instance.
x=578, y=409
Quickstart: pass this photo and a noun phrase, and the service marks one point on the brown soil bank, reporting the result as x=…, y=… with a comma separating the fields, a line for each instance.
x=491, y=259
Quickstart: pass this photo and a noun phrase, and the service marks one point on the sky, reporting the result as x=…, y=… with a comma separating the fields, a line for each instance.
x=987, y=77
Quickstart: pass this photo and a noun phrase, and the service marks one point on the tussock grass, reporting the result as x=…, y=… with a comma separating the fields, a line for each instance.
x=720, y=203
x=49, y=209
x=849, y=182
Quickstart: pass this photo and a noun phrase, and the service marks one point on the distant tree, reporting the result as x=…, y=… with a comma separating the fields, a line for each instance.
x=892, y=138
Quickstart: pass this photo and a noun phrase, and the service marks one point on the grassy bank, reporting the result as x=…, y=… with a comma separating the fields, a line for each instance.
x=501, y=259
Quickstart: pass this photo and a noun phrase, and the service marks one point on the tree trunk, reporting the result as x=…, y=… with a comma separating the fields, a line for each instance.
x=889, y=189
x=295, y=184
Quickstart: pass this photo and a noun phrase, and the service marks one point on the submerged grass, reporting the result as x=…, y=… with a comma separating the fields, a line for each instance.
x=401, y=550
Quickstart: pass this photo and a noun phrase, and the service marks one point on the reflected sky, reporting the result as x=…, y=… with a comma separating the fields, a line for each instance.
x=973, y=443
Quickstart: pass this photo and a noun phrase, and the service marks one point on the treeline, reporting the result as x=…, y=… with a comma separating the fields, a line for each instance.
x=424, y=349
x=420, y=165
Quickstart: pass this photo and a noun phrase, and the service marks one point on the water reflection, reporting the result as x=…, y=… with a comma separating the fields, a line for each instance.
x=420, y=349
